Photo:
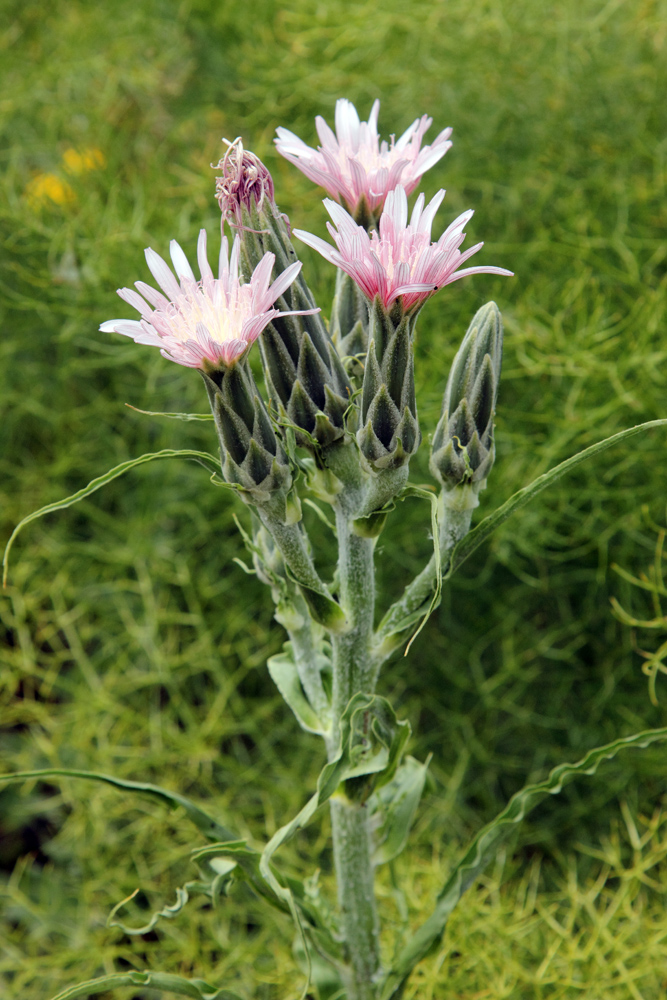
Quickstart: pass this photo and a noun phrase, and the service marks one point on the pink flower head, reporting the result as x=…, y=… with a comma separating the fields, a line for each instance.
x=354, y=165
x=210, y=322
x=244, y=180
x=400, y=261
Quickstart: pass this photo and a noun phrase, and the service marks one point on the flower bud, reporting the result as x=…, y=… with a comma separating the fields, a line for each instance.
x=389, y=432
x=252, y=456
x=349, y=322
x=304, y=373
x=463, y=452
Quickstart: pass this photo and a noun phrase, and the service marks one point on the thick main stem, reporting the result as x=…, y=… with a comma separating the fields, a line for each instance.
x=352, y=673
x=356, y=896
x=352, y=649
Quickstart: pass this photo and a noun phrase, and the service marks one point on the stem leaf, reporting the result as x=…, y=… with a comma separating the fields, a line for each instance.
x=484, y=846
x=202, y=457
x=286, y=678
x=210, y=827
x=195, y=988
x=481, y=531
x=415, y=491
x=372, y=742
x=395, y=805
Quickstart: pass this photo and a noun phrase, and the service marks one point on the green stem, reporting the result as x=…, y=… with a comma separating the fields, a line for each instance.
x=356, y=897
x=352, y=672
x=352, y=649
x=454, y=524
x=291, y=541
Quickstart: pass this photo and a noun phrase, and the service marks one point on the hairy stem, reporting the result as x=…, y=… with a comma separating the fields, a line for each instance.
x=356, y=896
x=292, y=543
x=352, y=649
x=352, y=668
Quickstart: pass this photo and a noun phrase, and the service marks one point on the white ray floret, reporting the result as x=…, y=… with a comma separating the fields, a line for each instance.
x=205, y=322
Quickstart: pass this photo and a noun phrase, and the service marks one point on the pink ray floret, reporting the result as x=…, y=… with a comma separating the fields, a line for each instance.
x=400, y=260
x=352, y=163
x=212, y=321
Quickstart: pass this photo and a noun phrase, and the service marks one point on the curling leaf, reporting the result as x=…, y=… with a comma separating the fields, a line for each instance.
x=163, y=981
x=188, y=417
x=183, y=894
x=204, y=823
x=486, y=843
x=481, y=532
x=202, y=457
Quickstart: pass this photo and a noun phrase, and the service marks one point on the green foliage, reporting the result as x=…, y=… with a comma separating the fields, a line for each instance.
x=486, y=844
x=132, y=645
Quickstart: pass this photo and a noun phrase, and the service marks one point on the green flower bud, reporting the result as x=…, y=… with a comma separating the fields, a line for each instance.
x=252, y=455
x=463, y=451
x=349, y=322
x=389, y=432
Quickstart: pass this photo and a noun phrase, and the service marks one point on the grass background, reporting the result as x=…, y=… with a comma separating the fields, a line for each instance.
x=131, y=642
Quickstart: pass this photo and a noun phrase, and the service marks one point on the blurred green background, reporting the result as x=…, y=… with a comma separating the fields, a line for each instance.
x=132, y=644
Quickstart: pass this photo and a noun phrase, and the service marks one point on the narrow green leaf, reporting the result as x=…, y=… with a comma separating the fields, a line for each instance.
x=482, y=531
x=286, y=678
x=202, y=457
x=247, y=861
x=485, y=845
x=196, y=988
x=395, y=805
x=324, y=975
x=172, y=416
x=168, y=912
x=206, y=825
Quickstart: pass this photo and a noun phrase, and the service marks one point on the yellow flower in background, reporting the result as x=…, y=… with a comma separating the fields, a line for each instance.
x=81, y=161
x=48, y=187
x=45, y=188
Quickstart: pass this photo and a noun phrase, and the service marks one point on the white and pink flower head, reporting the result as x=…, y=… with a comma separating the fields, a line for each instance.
x=399, y=261
x=207, y=323
x=354, y=167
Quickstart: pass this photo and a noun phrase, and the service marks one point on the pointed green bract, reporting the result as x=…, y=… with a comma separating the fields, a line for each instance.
x=388, y=432
x=349, y=321
x=305, y=376
x=252, y=456
x=463, y=451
